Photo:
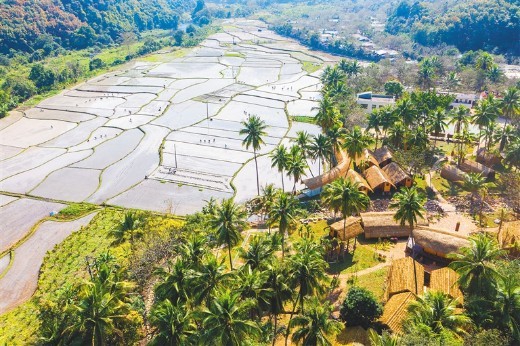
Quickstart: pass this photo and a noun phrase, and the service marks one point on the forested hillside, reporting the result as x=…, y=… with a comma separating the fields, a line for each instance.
x=32, y=25
x=491, y=25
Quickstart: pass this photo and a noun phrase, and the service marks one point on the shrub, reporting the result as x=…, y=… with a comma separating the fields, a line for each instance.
x=360, y=308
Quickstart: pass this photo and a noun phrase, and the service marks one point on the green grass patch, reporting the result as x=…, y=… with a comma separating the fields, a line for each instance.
x=310, y=67
x=374, y=282
x=304, y=119
x=364, y=257
x=234, y=54
x=75, y=211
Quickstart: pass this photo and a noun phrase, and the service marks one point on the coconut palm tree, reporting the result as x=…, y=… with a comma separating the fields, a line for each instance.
x=461, y=118
x=251, y=284
x=307, y=272
x=507, y=304
x=283, y=213
x=417, y=138
x=254, y=129
x=225, y=322
x=354, y=142
x=474, y=183
x=475, y=267
x=512, y=157
x=385, y=339
x=464, y=139
x=426, y=75
x=344, y=196
x=194, y=249
x=452, y=80
x=410, y=206
x=328, y=115
x=486, y=113
x=389, y=117
x=332, y=76
x=279, y=158
x=320, y=149
x=508, y=135
x=228, y=222
x=208, y=278
x=303, y=140
x=397, y=135
x=296, y=165
x=278, y=283
x=315, y=325
x=405, y=111
x=484, y=61
x=495, y=74
x=173, y=325
x=259, y=253
x=374, y=123
x=127, y=227
x=173, y=281
x=436, y=311
x=437, y=123
x=510, y=103
x=335, y=136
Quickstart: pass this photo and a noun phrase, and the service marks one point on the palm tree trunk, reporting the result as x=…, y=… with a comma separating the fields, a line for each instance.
x=275, y=328
x=345, y=228
x=283, y=185
x=230, y=259
x=295, y=304
x=257, y=179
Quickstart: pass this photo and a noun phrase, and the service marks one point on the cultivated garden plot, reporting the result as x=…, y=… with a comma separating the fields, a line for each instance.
x=163, y=133
x=21, y=280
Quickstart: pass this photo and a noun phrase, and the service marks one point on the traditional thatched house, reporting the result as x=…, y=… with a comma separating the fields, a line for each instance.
x=470, y=166
x=355, y=177
x=438, y=243
x=452, y=173
x=445, y=280
x=397, y=176
x=486, y=158
x=383, y=156
x=340, y=170
x=377, y=179
x=383, y=225
x=405, y=275
x=509, y=237
x=395, y=311
x=349, y=229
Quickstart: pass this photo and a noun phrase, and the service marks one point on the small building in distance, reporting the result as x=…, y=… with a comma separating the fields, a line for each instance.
x=371, y=101
x=462, y=99
x=346, y=229
x=397, y=176
x=470, y=166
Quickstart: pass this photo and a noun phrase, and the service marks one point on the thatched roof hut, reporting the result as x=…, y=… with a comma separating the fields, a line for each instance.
x=383, y=225
x=340, y=170
x=352, y=229
x=377, y=179
x=405, y=275
x=383, y=156
x=445, y=280
x=397, y=176
x=509, y=237
x=486, y=158
x=367, y=159
x=437, y=242
x=452, y=173
x=470, y=166
x=395, y=311
x=355, y=177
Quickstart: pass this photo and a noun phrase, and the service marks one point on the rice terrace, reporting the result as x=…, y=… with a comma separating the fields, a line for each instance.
x=246, y=173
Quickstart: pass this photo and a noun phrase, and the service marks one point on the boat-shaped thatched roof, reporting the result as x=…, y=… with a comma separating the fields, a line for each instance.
x=445, y=280
x=355, y=177
x=396, y=310
x=340, y=170
x=383, y=225
x=376, y=177
x=439, y=242
x=452, y=173
x=396, y=174
x=352, y=228
x=470, y=166
x=367, y=158
x=383, y=154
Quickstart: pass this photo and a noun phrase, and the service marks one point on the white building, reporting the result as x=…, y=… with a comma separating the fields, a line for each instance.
x=371, y=101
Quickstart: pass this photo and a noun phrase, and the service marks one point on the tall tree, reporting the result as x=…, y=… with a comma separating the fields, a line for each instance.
x=315, y=325
x=410, y=206
x=279, y=158
x=278, y=283
x=296, y=165
x=375, y=123
x=437, y=123
x=225, y=321
x=303, y=140
x=460, y=117
x=475, y=267
x=486, y=113
x=328, y=115
x=474, y=183
x=228, y=222
x=320, y=149
x=173, y=325
x=344, y=196
x=283, y=213
x=254, y=129
x=354, y=142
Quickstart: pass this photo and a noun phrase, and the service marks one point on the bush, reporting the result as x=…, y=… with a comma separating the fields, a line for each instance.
x=20, y=87
x=360, y=308
x=95, y=64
